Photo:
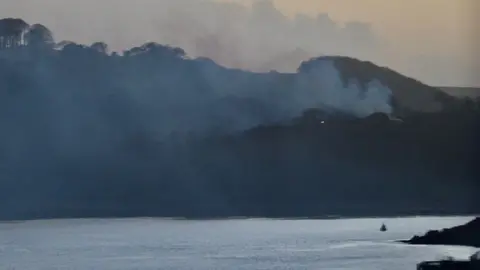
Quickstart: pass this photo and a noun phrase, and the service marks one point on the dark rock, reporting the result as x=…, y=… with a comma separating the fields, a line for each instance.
x=449, y=265
x=463, y=235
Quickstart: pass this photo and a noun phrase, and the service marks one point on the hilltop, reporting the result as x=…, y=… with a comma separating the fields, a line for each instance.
x=408, y=95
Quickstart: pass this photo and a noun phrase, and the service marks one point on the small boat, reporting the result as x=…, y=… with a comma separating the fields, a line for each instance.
x=383, y=228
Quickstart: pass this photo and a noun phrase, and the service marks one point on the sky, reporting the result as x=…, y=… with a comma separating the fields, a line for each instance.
x=435, y=41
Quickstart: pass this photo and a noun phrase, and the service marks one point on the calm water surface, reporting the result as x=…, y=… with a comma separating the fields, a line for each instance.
x=146, y=243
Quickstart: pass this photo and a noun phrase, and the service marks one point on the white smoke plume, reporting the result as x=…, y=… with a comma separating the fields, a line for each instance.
x=258, y=38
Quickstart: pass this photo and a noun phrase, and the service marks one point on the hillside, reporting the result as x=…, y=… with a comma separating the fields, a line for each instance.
x=409, y=95
x=472, y=92
x=342, y=83
x=150, y=131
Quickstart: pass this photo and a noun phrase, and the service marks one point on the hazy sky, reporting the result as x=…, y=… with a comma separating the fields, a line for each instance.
x=436, y=32
x=435, y=41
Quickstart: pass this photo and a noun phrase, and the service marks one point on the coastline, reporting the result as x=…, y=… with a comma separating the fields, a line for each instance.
x=244, y=218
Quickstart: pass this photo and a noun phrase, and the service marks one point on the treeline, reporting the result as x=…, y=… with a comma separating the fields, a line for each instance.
x=88, y=132
x=16, y=33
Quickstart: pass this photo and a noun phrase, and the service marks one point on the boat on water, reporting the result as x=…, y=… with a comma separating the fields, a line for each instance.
x=383, y=228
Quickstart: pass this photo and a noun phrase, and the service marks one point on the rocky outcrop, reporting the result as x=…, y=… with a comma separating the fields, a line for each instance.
x=464, y=235
x=449, y=265
x=472, y=264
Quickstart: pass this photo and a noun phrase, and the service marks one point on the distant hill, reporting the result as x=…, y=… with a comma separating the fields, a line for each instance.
x=472, y=92
x=408, y=94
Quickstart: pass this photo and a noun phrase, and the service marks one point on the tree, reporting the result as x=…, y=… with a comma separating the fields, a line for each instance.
x=11, y=32
x=73, y=49
x=100, y=47
x=62, y=44
x=39, y=36
x=156, y=49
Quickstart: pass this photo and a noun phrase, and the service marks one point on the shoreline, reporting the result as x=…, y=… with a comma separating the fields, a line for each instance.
x=244, y=218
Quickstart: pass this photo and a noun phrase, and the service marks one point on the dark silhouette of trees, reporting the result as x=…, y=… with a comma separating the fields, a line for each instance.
x=11, y=32
x=39, y=36
x=16, y=32
x=464, y=235
x=156, y=49
x=60, y=45
x=100, y=47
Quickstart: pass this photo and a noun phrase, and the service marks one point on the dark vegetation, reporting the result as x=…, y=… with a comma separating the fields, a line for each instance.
x=150, y=132
x=449, y=265
x=462, y=91
x=463, y=235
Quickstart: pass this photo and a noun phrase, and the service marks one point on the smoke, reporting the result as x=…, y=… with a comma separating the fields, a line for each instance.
x=322, y=86
x=258, y=38
x=83, y=103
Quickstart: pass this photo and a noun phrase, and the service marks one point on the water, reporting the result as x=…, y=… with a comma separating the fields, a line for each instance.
x=225, y=244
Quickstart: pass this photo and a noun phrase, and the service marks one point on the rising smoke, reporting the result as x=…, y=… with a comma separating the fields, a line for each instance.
x=260, y=38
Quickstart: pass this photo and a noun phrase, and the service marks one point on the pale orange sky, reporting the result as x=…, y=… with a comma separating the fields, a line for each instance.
x=413, y=25
x=430, y=28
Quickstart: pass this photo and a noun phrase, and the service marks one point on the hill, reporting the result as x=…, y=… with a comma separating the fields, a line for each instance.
x=152, y=132
x=408, y=94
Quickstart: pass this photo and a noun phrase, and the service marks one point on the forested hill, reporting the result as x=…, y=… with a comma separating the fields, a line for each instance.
x=200, y=88
x=151, y=131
